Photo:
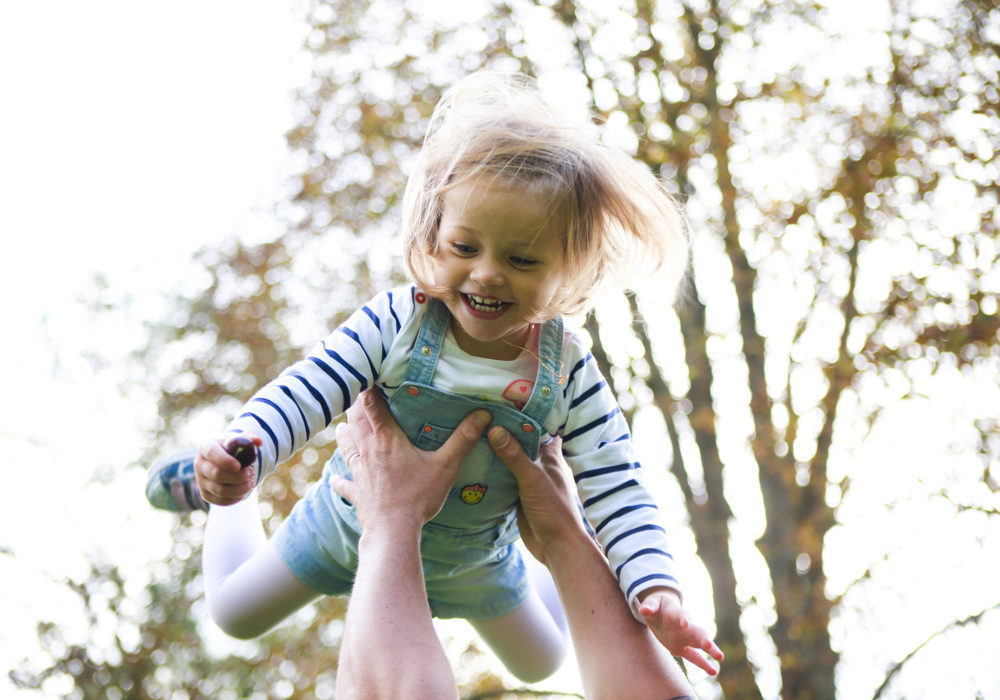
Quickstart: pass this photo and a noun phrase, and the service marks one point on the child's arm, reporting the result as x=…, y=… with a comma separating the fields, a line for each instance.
x=623, y=513
x=307, y=396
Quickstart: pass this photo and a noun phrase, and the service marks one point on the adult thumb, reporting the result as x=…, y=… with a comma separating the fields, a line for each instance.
x=464, y=437
x=509, y=450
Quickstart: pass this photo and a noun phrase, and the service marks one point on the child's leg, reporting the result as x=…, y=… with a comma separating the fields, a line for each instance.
x=541, y=581
x=248, y=586
x=530, y=640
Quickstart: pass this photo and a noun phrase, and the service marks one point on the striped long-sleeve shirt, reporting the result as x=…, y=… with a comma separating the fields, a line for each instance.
x=372, y=348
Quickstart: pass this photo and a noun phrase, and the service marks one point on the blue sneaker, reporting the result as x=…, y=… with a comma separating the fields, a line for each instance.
x=171, y=485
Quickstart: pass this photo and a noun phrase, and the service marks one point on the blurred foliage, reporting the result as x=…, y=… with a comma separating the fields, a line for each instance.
x=840, y=172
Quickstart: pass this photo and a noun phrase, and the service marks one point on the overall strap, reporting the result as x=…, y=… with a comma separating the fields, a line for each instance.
x=550, y=367
x=427, y=347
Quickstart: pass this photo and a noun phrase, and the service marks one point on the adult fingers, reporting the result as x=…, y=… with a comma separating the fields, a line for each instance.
x=344, y=488
x=346, y=442
x=551, y=453
x=357, y=427
x=465, y=436
x=376, y=410
x=510, y=452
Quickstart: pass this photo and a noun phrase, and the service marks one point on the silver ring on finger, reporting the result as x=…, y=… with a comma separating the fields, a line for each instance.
x=351, y=458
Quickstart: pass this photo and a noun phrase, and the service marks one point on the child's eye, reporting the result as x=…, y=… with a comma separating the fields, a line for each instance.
x=463, y=249
x=520, y=261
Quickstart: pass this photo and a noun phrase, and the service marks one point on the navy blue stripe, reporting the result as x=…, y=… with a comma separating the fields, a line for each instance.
x=633, y=531
x=276, y=407
x=333, y=375
x=318, y=396
x=378, y=326
x=651, y=577
x=373, y=317
x=305, y=423
x=610, y=492
x=620, y=512
x=587, y=394
x=354, y=336
x=617, y=439
x=399, y=326
x=347, y=365
x=591, y=473
x=579, y=365
x=642, y=553
x=591, y=425
x=267, y=429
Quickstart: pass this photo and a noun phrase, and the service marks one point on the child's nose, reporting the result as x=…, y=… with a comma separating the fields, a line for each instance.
x=487, y=273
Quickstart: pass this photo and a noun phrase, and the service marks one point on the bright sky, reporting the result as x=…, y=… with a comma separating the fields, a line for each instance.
x=131, y=134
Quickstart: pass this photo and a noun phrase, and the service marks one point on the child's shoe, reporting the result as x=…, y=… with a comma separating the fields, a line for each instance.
x=171, y=484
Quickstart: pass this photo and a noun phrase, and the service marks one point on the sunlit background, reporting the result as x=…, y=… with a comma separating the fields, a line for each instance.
x=133, y=135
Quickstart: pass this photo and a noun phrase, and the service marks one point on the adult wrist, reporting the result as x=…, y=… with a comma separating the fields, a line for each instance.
x=397, y=529
x=570, y=545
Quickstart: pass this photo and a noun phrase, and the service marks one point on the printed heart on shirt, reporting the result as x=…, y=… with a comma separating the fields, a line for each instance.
x=518, y=392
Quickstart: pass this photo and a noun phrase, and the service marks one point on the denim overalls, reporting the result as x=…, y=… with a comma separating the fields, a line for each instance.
x=471, y=568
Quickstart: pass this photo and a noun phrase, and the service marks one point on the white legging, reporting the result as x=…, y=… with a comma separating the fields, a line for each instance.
x=250, y=589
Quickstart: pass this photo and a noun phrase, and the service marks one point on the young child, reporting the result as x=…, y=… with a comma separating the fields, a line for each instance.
x=512, y=218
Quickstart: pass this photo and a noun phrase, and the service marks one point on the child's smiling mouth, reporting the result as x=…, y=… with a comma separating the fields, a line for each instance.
x=484, y=307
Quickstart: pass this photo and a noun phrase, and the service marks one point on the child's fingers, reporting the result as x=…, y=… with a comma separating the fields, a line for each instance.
x=695, y=657
x=700, y=638
x=214, y=453
x=224, y=496
x=650, y=607
x=223, y=475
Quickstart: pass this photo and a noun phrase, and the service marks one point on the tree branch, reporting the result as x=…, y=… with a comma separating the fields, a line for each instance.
x=897, y=667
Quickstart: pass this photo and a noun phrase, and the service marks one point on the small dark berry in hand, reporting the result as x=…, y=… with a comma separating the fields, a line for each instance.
x=243, y=449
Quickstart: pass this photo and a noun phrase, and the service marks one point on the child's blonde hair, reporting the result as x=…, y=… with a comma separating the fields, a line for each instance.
x=616, y=217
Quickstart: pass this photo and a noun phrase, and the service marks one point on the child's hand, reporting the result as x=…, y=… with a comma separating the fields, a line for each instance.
x=221, y=478
x=666, y=619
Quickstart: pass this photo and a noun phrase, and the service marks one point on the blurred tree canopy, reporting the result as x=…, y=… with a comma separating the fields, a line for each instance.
x=838, y=163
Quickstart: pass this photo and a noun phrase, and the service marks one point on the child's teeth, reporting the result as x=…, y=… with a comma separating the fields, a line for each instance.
x=484, y=304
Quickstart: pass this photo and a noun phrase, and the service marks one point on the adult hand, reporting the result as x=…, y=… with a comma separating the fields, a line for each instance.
x=547, y=508
x=609, y=643
x=397, y=488
x=394, y=480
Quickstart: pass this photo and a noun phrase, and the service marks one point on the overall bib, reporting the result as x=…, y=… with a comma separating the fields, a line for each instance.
x=471, y=567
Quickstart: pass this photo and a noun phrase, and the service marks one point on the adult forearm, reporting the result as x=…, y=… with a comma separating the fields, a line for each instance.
x=390, y=648
x=614, y=651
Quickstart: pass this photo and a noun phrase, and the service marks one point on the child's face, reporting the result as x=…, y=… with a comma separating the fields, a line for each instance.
x=500, y=260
